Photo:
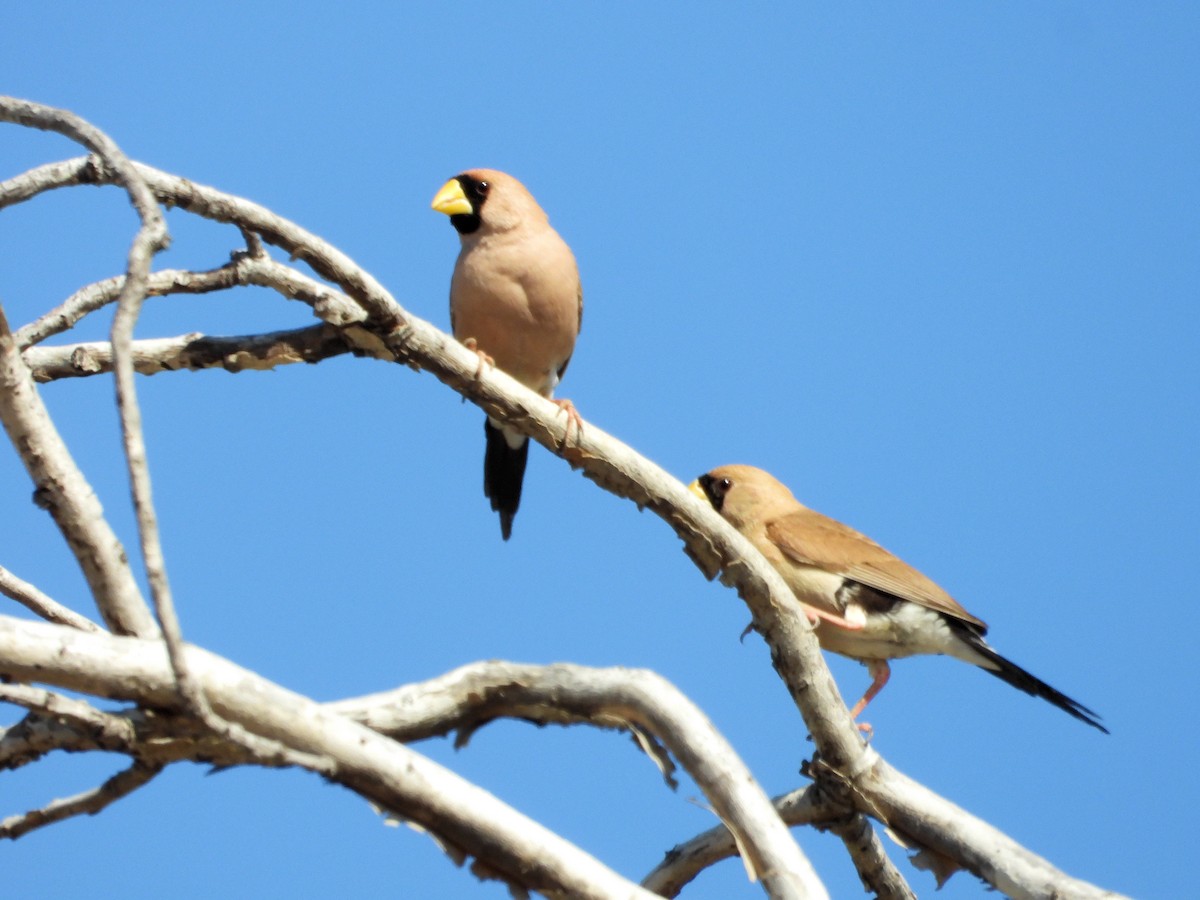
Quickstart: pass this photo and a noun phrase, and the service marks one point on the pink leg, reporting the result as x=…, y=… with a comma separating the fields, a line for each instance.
x=880, y=673
x=817, y=615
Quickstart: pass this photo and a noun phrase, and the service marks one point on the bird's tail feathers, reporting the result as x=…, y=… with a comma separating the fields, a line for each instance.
x=1010, y=672
x=503, y=474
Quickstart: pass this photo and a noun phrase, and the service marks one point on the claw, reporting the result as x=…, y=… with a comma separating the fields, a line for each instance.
x=573, y=418
x=484, y=360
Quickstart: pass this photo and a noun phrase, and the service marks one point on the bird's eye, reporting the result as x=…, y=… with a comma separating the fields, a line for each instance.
x=723, y=486
x=483, y=187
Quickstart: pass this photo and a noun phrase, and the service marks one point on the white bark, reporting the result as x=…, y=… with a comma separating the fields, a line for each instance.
x=389, y=774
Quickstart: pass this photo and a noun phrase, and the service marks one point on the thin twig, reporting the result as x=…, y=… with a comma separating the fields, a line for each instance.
x=328, y=304
x=35, y=601
x=98, y=295
x=88, y=803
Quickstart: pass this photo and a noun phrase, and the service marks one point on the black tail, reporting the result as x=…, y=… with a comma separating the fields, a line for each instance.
x=503, y=473
x=1022, y=680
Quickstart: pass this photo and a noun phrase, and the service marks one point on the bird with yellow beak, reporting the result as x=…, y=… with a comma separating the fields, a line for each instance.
x=515, y=298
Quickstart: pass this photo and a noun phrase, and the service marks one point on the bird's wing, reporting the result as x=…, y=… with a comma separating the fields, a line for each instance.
x=810, y=538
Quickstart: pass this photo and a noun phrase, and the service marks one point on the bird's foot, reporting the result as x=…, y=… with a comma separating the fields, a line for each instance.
x=485, y=361
x=573, y=418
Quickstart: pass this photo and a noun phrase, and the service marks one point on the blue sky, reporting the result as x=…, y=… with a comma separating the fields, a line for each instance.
x=934, y=266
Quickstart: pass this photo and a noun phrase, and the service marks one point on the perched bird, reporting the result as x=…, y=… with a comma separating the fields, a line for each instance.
x=865, y=603
x=516, y=300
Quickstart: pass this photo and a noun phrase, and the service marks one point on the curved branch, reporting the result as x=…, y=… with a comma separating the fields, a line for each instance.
x=687, y=860
x=100, y=294
x=150, y=238
x=463, y=700
x=633, y=699
x=245, y=269
x=464, y=817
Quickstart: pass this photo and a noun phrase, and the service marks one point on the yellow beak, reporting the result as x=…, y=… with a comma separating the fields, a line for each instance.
x=695, y=488
x=451, y=200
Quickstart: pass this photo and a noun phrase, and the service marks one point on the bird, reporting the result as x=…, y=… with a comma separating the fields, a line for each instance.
x=864, y=602
x=516, y=300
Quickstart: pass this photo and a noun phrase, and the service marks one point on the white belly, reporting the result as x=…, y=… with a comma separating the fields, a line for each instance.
x=908, y=629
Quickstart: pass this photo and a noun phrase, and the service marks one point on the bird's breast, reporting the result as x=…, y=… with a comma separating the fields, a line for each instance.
x=522, y=308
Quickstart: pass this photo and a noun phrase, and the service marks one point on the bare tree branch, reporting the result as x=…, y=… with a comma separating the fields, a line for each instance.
x=151, y=237
x=807, y=806
x=193, y=352
x=878, y=874
x=57, y=722
x=685, y=861
x=161, y=737
x=463, y=699
x=209, y=203
x=100, y=294
x=49, y=177
x=627, y=698
x=611, y=698
x=926, y=820
x=49, y=703
x=462, y=816
x=66, y=494
x=245, y=269
x=197, y=351
x=35, y=601
x=88, y=803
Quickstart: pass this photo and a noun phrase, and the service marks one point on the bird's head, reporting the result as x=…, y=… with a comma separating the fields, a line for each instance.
x=743, y=495
x=484, y=201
